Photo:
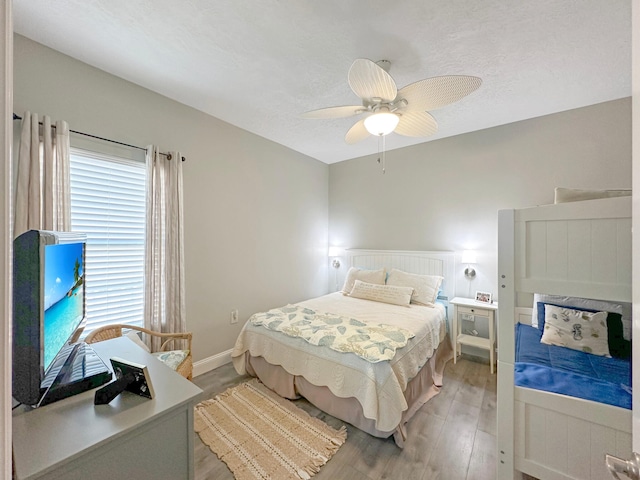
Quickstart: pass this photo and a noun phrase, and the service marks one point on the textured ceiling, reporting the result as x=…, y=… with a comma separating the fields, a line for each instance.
x=260, y=64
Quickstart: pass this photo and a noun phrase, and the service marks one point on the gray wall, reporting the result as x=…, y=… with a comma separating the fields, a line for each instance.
x=258, y=215
x=255, y=211
x=445, y=194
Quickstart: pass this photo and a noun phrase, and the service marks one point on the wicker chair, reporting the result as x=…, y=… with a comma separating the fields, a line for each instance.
x=113, y=331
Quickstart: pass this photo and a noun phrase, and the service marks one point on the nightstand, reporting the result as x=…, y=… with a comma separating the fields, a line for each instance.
x=468, y=306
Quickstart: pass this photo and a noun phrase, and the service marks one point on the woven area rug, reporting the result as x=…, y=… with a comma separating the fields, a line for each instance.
x=260, y=435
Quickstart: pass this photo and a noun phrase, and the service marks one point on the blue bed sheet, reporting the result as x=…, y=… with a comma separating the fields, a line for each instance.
x=570, y=372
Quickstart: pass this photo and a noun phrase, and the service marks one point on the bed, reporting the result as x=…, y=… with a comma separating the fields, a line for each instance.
x=378, y=397
x=577, y=250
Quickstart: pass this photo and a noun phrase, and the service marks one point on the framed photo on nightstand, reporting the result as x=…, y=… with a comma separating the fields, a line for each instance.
x=483, y=297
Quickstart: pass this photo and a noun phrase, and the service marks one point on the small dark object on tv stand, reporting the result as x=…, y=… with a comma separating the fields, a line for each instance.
x=130, y=376
x=110, y=391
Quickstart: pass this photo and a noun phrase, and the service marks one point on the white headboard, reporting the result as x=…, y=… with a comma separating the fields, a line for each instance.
x=422, y=263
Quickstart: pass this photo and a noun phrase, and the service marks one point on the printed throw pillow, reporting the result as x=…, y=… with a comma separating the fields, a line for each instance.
x=576, y=329
x=370, y=276
x=618, y=346
x=425, y=287
x=382, y=293
x=172, y=358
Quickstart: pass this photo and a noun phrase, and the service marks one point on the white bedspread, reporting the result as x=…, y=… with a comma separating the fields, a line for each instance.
x=375, y=342
x=378, y=386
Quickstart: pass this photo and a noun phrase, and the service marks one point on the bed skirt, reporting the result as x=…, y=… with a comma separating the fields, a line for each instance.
x=420, y=389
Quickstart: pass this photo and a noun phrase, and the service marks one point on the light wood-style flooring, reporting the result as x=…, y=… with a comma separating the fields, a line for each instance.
x=452, y=437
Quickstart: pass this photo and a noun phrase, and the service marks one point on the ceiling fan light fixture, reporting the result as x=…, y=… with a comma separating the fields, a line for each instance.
x=387, y=109
x=381, y=123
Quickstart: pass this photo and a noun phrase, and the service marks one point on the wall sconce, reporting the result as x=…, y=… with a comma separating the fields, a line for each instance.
x=333, y=253
x=469, y=257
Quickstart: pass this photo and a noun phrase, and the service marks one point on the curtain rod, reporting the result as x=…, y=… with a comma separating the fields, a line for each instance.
x=168, y=155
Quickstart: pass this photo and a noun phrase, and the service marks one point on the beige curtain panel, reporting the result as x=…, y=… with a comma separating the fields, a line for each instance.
x=164, y=306
x=43, y=199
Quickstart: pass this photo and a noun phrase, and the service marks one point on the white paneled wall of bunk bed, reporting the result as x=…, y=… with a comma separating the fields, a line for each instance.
x=578, y=249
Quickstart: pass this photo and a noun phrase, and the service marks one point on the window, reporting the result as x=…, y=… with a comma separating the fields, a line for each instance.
x=108, y=195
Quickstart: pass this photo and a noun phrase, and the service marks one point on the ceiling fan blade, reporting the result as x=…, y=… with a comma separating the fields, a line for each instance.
x=416, y=124
x=368, y=81
x=356, y=133
x=335, y=112
x=437, y=92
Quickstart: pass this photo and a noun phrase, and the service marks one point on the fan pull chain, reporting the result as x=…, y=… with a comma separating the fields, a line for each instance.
x=382, y=158
x=384, y=154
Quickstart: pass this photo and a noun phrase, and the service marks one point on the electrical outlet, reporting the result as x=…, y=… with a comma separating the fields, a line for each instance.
x=467, y=317
x=234, y=316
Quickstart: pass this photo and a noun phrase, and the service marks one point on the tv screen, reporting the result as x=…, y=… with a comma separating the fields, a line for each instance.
x=63, y=296
x=48, y=309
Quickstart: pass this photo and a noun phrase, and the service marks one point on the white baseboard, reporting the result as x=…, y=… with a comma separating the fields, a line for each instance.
x=211, y=363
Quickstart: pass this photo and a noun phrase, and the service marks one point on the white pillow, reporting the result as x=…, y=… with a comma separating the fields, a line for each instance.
x=623, y=308
x=135, y=338
x=425, y=287
x=369, y=276
x=576, y=329
x=563, y=195
x=382, y=293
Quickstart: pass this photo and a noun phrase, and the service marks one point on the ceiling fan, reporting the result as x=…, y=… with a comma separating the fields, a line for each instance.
x=388, y=109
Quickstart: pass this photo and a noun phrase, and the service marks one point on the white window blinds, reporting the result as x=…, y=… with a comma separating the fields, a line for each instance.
x=108, y=205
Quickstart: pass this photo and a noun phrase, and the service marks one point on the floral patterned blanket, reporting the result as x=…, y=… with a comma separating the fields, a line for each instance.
x=373, y=342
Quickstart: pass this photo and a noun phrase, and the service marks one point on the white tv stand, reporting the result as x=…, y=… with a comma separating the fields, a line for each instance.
x=131, y=437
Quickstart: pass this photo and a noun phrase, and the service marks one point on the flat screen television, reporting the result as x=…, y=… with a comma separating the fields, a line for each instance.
x=48, y=310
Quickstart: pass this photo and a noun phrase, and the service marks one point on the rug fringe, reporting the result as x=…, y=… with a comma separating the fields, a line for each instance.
x=341, y=436
x=314, y=467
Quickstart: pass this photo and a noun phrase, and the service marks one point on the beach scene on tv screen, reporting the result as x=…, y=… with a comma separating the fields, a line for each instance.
x=63, y=296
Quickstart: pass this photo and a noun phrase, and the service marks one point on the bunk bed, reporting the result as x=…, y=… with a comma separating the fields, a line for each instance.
x=577, y=250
